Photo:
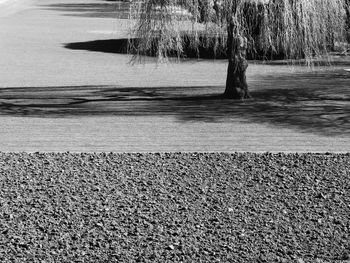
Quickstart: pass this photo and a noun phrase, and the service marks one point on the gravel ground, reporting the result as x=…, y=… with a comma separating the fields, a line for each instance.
x=192, y=207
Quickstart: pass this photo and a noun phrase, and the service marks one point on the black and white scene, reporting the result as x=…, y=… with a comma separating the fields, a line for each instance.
x=175, y=131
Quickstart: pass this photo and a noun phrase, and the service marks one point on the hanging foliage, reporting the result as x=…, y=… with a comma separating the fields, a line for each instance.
x=294, y=28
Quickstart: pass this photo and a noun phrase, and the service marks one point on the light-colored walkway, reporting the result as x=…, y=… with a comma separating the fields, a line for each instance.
x=57, y=99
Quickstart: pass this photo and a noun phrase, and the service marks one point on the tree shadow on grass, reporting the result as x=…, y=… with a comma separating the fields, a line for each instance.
x=205, y=51
x=121, y=46
x=312, y=106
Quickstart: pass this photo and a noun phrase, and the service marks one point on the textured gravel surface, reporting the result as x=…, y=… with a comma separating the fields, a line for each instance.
x=174, y=207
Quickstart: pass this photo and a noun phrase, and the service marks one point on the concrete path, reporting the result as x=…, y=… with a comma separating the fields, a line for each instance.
x=58, y=95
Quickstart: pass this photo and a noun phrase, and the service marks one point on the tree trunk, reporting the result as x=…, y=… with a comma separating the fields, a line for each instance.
x=236, y=82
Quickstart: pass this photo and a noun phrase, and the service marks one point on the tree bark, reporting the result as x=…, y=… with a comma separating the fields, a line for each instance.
x=236, y=82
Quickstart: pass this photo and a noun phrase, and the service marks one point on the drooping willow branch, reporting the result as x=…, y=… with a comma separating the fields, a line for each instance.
x=294, y=28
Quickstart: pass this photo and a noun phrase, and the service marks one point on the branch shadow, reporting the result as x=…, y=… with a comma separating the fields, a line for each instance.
x=308, y=103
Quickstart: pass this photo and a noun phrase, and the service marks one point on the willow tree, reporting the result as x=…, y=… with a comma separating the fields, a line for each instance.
x=295, y=28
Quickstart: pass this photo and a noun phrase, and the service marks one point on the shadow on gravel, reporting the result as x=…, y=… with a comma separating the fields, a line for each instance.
x=117, y=9
x=312, y=103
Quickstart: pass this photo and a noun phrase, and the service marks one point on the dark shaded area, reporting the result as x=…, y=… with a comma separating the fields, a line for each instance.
x=205, y=51
x=122, y=46
x=313, y=103
x=119, y=46
x=116, y=9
